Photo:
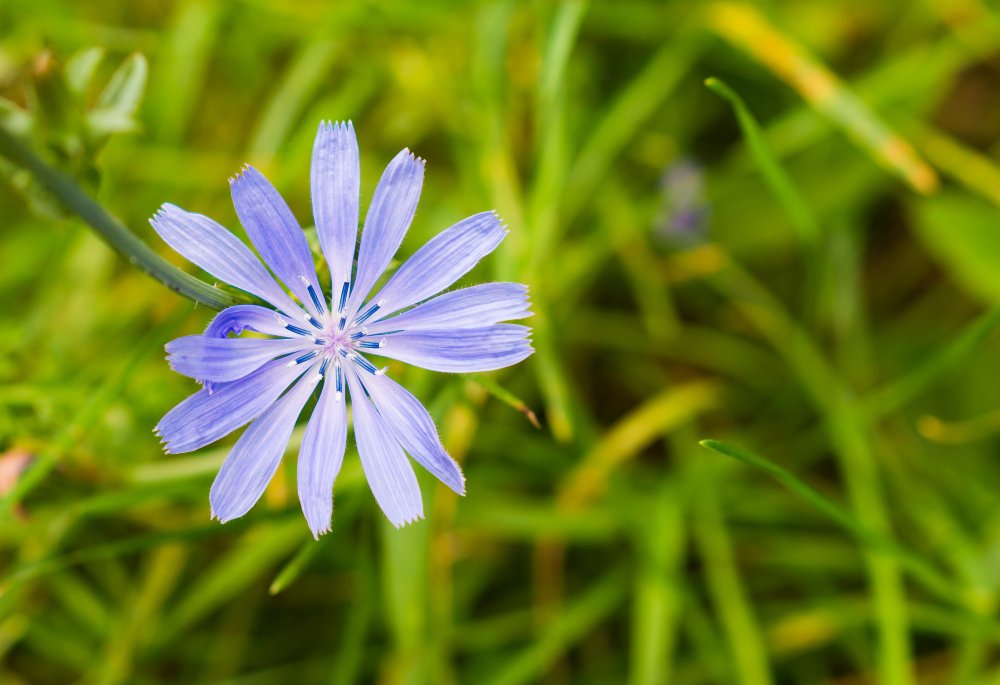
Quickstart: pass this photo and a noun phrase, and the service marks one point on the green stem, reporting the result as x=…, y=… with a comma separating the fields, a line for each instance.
x=110, y=229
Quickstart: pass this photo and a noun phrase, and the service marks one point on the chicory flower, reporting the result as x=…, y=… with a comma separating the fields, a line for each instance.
x=319, y=343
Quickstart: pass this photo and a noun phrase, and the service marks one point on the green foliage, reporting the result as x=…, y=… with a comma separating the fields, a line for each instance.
x=962, y=232
x=829, y=312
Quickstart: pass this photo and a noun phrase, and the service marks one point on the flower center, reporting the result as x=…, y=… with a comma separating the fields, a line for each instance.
x=336, y=338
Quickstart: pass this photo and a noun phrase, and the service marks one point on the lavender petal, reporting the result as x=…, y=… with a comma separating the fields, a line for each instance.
x=475, y=307
x=460, y=351
x=256, y=456
x=321, y=457
x=207, y=244
x=336, y=185
x=275, y=233
x=386, y=467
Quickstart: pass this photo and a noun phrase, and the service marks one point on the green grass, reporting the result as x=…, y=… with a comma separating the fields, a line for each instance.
x=835, y=314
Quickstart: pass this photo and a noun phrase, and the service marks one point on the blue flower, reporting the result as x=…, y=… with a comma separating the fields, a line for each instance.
x=317, y=343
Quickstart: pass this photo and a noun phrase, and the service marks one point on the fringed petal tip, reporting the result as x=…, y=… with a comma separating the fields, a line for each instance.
x=460, y=490
x=169, y=217
x=164, y=212
x=164, y=444
x=451, y=475
x=328, y=126
x=407, y=156
x=405, y=522
x=245, y=170
x=414, y=158
x=319, y=529
x=500, y=221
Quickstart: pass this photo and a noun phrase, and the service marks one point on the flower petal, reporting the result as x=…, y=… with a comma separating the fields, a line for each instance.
x=207, y=244
x=256, y=456
x=388, y=218
x=474, y=307
x=320, y=458
x=206, y=416
x=336, y=184
x=414, y=428
x=460, y=351
x=241, y=317
x=275, y=233
x=227, y=359
x=386, y=467
x=442, y=261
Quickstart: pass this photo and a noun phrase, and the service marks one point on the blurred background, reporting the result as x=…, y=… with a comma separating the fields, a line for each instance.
x=800, y=259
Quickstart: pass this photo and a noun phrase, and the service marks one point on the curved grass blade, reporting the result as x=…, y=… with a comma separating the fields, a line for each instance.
x=788, y=195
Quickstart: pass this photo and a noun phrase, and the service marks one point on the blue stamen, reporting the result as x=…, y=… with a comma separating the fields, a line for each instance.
x=359, y=334
x=319, y=341
x=316, y=324
x=371, y=344
x=305, y=357
x=343, y=298
x=340, y=379
x=366, y=365
x=296, y=329
x=322, y=367
x=343, y=322
x=368, y=314
x=315, y=298
x=343, y=352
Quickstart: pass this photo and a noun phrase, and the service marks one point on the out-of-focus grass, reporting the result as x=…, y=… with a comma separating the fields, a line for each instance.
x=834, y=309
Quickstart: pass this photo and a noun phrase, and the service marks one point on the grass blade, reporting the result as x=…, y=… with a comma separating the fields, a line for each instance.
x=802, y=218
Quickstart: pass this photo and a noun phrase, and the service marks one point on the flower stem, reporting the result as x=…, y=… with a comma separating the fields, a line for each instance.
x=110, y=229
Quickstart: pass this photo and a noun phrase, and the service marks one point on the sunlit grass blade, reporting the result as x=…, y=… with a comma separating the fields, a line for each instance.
x=968, y=166
x=744, y=27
